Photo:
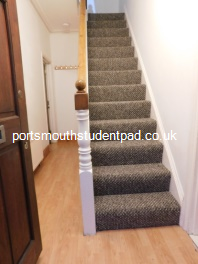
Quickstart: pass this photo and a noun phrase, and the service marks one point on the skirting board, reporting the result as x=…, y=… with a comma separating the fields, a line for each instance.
x=37, y=153
x=195, y=240
x=175, y=188
x=46, y=151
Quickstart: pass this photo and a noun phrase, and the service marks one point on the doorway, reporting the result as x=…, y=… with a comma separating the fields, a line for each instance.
x=47, y=100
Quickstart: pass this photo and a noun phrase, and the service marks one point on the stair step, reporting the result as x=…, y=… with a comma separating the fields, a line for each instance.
x=136, y=210
x=110, y=153
x=134, y=92
x=109, y=41
x=142, y=125
x=130, y=182
x=107, y=24
x=108, y=16
x=113, y=64
x=108, y=52
x=108, y=32
x=114, y=77
x=129, y=179
x=119, y=110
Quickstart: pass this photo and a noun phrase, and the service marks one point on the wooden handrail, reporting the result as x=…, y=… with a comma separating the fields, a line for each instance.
x=81, y=97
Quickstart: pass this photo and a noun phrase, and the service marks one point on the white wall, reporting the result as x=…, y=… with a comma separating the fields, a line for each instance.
x=35, y=43
x=165, y=32
x=121, y=5
x=64, y=50
x=101, y=6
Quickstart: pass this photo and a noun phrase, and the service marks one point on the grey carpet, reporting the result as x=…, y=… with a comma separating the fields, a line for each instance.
x=114, y=77
x=119, y=110
x=131, y=184
x=136, y=210
x=108, y=32
x=108, y=153
x=133, y=92
x=106, y=17
x=110, y=52
x=128, y=179
x=113, y=64
x=109, y=42
x=145, y=125
x=107, y=24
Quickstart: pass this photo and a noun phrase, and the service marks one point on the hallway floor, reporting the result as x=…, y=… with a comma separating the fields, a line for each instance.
x=58, y=195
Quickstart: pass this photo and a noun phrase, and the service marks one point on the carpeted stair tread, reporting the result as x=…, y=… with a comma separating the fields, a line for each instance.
x=133, y=92
x=109, y=41
x=136, y=210
x=113, y=64
x=107, y=32
x=114, y=77
x=110, y=52
x=107, y=24
x=128, y=179
x=142, y=126
x=119, y=110
x=109, y=153
x=108, y=16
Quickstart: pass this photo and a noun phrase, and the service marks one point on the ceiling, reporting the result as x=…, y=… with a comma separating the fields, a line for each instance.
x=58, y=15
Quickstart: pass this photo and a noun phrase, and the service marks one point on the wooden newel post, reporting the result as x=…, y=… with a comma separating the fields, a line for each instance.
x=81, y=97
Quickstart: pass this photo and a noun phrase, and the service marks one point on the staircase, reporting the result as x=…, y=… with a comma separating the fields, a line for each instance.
x=131, y=184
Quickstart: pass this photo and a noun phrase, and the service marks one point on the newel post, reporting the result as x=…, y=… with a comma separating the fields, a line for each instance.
x=85, y=164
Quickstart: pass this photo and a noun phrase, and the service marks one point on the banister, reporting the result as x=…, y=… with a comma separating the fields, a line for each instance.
x=82, y=113
x=81, y=96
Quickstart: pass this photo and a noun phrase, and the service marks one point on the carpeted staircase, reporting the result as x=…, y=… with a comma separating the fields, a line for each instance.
x=131, y=184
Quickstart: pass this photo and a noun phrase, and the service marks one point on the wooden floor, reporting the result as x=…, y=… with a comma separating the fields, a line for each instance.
x=57, y=188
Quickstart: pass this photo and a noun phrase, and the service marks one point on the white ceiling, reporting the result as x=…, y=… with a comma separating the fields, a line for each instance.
x=56, y=13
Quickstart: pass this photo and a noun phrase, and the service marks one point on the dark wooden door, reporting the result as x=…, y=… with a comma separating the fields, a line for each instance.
x=20, y=240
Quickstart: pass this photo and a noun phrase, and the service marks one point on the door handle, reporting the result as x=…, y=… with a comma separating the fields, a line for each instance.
x=2, y=134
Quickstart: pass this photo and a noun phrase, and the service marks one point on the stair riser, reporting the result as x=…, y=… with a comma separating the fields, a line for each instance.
x=114, y=78
x=125, y=110
x=139, y=128
x=136, y=210
x=101, y=17
x=139, y=220
x=113, y=93
x=113, y=64
x=111, y=52
x=131, y=179
x=107, y=24
x=130, y=186
x=109, y=42
x=125, y=155
x=104, y=33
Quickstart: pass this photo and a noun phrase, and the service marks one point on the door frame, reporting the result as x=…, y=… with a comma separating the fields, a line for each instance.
x=47, y=102
x=189, y=210
x=50, y=93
